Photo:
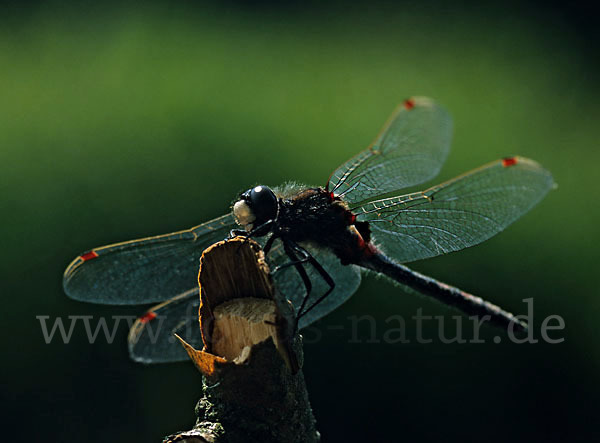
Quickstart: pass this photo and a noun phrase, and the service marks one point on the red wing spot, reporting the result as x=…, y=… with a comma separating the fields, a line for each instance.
x=409, y=104
x=88, y=256
x=331, y=196
x=147, y=317
x=509, y=161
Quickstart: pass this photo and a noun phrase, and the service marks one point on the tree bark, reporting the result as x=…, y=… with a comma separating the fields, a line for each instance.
x=253, y=389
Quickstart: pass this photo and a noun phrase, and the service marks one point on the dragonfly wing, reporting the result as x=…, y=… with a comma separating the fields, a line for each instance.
x=146, y=270
x=410, y=149
x=289, y=283
x=151, y=338
x=457, y=214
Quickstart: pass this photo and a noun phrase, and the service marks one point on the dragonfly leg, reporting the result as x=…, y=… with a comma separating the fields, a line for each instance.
x=297, y=263
x=269, y=243
x=292, y=255
x=248, y=234
x=256, y=231
x=322, y=272
x=235, y=232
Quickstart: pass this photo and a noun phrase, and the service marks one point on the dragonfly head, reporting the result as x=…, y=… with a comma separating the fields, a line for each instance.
x=255, y=207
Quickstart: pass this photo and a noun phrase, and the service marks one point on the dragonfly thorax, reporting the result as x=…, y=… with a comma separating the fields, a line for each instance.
x=255, y=207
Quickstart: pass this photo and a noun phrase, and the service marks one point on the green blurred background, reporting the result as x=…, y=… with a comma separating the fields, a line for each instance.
x=123, y=121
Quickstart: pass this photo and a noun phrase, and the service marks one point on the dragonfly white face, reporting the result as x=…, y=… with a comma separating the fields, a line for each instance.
x=243, y=214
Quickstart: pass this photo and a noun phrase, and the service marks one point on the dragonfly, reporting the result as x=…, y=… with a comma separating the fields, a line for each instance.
x=319, y=240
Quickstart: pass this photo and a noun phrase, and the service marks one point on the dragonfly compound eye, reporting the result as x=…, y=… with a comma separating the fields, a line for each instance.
x=263, y=203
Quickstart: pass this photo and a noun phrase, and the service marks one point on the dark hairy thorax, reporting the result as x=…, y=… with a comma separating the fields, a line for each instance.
x=314, y=216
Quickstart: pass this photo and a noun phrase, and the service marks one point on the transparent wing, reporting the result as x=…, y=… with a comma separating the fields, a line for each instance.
x=146, y=270
x=151, y=338
x=289, y=283
x=410, y=149
x=457, y=214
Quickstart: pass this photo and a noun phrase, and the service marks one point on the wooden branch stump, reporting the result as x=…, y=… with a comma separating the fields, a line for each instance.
x=253, y=388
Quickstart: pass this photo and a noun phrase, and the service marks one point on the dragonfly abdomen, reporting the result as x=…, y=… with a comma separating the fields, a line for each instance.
x=447, y=294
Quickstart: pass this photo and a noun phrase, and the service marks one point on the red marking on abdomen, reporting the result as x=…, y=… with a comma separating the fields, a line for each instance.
x=409, y=104
x=366, y=248
x=509, y=161
x=88, y=256
x=369, y=250
x=148, y=316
